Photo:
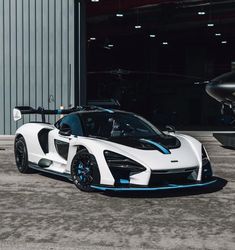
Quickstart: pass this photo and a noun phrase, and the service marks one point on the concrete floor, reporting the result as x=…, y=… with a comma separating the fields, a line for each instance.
x=41, y=212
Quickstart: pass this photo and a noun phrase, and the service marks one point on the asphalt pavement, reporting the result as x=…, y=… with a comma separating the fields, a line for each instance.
x=38, y=211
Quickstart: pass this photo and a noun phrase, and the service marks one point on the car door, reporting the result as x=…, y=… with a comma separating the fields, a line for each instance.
x=66, y=128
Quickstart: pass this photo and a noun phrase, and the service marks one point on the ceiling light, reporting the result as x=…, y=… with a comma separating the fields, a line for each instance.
x=119, y=15
x=152, y=35
x=165, y=43
x=95, y=1
x=217, y=34
x=92, y=39
x=137, y=26
x=224, y=42
x=201, y=13
x=210, y=25
x=110, y=45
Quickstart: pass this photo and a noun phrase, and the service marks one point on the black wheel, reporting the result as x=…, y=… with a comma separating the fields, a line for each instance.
x=81, y=170
x=21, y=155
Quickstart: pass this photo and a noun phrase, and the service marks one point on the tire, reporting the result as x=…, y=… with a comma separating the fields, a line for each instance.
x=21, y=155
x=81, y=170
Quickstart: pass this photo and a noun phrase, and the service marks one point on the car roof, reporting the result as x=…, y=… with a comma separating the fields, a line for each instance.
x=102, y=111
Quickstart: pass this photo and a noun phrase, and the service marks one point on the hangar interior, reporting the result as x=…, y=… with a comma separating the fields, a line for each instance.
x=149, y=54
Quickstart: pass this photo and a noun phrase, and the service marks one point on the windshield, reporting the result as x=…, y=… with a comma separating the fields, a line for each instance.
x=117, y=124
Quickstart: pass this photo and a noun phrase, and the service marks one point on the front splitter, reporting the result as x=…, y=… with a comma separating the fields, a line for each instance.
x=168, y=187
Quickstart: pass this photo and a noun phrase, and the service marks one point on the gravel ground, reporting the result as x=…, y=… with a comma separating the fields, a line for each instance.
x=38, y=211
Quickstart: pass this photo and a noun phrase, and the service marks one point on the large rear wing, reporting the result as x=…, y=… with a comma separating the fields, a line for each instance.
x=26, y=110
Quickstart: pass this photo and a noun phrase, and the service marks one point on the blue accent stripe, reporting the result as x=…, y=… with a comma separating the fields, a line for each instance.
x=163, y=149
x=124, y=181
x=59, y=111
x=103, y=109
x=154, y=188
x=108, y=110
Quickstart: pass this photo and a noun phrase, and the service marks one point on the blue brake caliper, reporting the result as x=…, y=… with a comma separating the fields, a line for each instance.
x=79, y=171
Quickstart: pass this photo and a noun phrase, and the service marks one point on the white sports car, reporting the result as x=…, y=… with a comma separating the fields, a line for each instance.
x=103, y=149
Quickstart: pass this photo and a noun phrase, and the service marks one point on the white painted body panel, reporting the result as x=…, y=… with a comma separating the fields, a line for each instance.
x=188, y=155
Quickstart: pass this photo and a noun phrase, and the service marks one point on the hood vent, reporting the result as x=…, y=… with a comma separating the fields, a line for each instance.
x=161, y=143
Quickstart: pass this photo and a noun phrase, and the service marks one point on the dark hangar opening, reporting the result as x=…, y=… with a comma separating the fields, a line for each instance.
x=149, y=54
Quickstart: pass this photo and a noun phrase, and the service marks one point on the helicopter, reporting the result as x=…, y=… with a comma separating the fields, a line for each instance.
x=222, y=89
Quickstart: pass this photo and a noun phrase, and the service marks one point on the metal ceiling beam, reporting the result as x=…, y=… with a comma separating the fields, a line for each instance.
x=110, y=6
x=113, y=6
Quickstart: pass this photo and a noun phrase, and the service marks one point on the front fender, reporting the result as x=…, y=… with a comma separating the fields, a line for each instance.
x=95, y=148
x=197, y=149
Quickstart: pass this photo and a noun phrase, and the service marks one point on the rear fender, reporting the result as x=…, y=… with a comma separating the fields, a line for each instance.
x=30, y=133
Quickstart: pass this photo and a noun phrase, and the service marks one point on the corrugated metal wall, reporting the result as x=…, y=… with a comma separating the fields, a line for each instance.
x=36, y=57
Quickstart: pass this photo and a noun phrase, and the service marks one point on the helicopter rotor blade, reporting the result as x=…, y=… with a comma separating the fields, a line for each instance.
x=119, y=72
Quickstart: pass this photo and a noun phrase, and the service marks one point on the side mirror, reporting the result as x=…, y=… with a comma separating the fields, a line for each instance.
x=65, y=130
x=170, y=129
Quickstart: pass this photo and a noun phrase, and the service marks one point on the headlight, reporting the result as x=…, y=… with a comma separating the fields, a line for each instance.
x=120, y=162
x=205, y=159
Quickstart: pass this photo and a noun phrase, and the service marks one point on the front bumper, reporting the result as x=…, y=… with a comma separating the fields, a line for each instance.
x=166, y=187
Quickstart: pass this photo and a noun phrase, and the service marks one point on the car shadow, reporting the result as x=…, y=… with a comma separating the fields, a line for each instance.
x=215, y=187
x=228, y=147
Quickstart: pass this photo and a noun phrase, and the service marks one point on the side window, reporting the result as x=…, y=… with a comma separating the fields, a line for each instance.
x=97, y=125
x=57, y=124
x=73, y=121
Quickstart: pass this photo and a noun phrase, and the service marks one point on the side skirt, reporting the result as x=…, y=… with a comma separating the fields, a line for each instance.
x=36, y=167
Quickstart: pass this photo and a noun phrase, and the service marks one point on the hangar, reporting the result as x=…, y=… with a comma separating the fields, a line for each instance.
x=127, y=51
x=52, y=51
x=153, y=53
x=42, y=56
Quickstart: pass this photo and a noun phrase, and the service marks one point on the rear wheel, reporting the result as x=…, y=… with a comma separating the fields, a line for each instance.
x=21, y=155
x=81, y=170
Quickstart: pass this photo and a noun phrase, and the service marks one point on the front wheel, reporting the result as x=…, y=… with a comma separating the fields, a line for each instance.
x=81, y=170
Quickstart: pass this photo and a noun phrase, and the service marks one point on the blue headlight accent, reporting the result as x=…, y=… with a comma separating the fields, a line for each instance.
x=168, y=187
x=163, y=149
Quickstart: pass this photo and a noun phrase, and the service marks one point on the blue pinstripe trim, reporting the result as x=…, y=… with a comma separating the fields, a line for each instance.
x=163, y=149
x=170, y=186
